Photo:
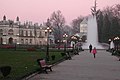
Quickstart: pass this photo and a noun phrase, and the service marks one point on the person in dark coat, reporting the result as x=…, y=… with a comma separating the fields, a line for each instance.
x=90, y=48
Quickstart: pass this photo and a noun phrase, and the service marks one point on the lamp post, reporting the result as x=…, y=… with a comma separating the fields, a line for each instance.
x=48, y=31
x=109, y=40
x=73, y=41
x=15, y=44
x=116, y=39
x=74, y=38
x=58, y=42
x=65, y=41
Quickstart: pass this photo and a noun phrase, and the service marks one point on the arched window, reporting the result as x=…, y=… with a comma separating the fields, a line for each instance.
x=40, y=42
x=21, y=32
x=10, y=32
x=1, y=40
x=22, y=41
x=40, y=34
x=26, y=33
x=31, y=33
x=45, y=33
x=1, y=32
x=26, y=41
x=10, y=40
x=30, y=41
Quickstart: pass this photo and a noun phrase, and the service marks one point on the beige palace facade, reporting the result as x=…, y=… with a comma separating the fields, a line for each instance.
x=25, y=34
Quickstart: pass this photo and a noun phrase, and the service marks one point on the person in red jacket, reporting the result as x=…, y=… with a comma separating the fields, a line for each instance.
x=94, y=51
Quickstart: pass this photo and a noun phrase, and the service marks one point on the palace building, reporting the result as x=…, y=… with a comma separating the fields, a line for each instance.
x=13, y=32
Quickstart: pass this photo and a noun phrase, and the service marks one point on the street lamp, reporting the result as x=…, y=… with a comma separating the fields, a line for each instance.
x=48, y=31
x=65, y=41
x=116, y=39
x=15, y=44
x=109, y=42
x=73, y=39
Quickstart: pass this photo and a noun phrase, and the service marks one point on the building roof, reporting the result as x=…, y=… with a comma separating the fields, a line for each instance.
x=84, y=21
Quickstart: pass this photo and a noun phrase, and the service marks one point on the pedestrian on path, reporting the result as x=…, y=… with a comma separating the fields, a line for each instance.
x=94, y=51
x=90, y=48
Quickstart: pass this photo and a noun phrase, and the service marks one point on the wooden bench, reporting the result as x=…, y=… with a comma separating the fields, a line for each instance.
x=67, y=55
x=43, y=66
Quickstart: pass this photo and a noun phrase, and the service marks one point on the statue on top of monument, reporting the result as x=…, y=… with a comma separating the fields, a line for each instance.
x=94, y=9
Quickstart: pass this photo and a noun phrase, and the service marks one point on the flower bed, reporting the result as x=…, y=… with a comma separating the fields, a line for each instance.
x=31, y=49
x=7, y=47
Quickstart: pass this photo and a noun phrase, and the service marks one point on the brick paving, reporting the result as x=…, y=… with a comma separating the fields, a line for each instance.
x=84, y=67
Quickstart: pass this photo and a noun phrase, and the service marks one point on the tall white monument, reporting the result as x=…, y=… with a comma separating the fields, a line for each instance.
x=92, y=31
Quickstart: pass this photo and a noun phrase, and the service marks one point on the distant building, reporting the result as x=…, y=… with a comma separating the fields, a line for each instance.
x=25, y=34
x=83, y=29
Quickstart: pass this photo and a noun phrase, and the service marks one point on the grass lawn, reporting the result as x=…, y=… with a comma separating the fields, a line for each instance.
x=23, y=62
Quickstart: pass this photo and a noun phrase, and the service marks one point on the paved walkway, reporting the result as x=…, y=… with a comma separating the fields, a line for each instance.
x=85, y=67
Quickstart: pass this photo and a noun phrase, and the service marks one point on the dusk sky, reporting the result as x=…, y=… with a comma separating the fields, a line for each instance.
x=40, y=10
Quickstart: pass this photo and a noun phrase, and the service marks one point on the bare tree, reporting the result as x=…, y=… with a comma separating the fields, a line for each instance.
x=116, y=11
x=58, y=22
x=109, y=22
x=76, y=24
x=112, y=11
x=68, y=30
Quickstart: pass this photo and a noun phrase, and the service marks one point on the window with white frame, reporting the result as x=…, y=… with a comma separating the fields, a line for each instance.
x=22, y=41
x=1, y=32
x=10, y=32
x=26, y=41
x=30, y=41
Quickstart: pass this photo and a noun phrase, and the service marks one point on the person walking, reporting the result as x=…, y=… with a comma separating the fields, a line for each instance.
x=90, y=48
x=94, y=51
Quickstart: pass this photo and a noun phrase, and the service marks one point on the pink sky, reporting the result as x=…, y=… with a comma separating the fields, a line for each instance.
x=40, y=10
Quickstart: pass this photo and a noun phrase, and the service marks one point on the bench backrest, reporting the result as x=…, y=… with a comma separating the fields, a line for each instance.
x=42, y=63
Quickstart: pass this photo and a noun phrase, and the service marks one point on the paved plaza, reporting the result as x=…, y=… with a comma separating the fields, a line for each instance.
x=85, y=67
